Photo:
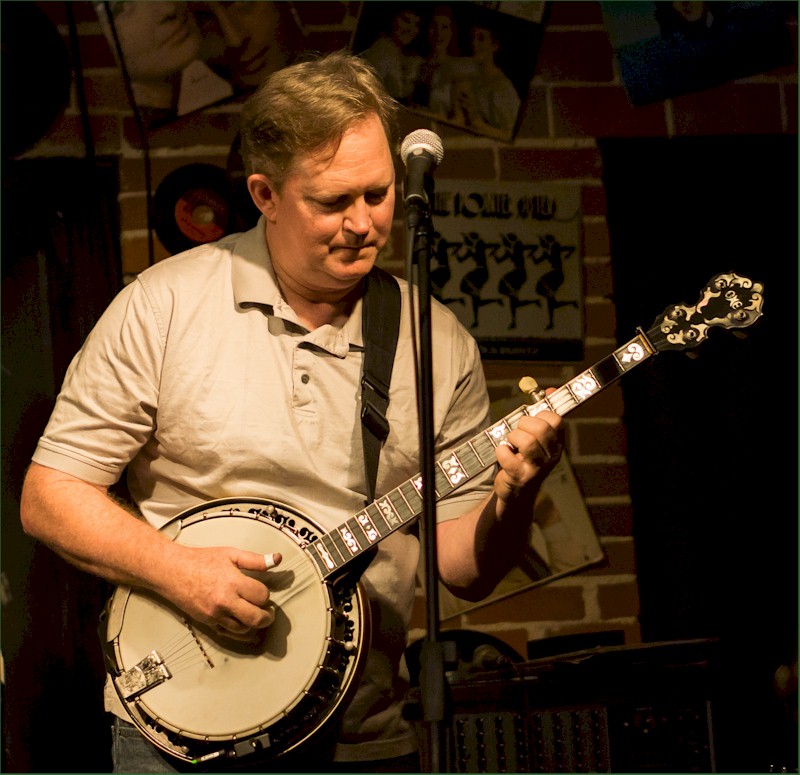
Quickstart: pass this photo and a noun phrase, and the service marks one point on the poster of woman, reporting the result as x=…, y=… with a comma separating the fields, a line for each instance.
x=665, y=49
x=180, y=57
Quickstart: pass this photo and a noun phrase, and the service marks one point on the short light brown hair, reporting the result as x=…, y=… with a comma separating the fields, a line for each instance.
x=308, y=106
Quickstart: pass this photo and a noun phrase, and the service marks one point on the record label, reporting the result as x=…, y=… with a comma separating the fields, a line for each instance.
x=192, y=206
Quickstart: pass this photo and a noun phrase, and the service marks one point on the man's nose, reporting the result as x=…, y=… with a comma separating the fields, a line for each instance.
x=358, y=219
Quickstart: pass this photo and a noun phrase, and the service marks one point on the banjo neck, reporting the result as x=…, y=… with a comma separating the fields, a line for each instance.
x=333, y=550
x=727, y=301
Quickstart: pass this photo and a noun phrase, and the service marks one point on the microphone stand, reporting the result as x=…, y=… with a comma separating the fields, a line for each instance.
x=432, y=682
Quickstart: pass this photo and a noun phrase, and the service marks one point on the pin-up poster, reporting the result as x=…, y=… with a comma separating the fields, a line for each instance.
x=180, y=57
x=665, y=49
x=506, y=260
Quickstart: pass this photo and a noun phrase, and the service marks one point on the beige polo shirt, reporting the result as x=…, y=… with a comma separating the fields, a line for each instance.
x=200, y=379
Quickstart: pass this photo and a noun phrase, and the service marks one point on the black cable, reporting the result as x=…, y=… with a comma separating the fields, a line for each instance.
x=148, y=175
x=80, y=89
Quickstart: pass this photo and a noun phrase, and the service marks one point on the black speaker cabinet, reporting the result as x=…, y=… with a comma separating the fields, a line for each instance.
x=620, y=709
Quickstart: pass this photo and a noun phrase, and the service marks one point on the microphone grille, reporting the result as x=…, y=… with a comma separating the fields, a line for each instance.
x=422, y=140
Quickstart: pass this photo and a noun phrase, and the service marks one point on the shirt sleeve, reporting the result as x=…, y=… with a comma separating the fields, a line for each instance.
x=467, y=416
x=106, y=410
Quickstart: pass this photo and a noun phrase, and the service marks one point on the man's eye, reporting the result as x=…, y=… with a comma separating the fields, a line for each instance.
x=375, y=197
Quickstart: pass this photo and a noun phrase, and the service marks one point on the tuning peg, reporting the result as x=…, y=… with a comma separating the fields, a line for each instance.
x=741, y=334
x=693, y=354
x=530, y=386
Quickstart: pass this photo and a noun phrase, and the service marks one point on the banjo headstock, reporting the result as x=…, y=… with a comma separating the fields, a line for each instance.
x=728, y=301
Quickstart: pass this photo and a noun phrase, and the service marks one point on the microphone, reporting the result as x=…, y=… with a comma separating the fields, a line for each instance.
x=421, y=152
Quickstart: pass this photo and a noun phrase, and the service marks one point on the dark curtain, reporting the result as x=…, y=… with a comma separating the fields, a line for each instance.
x=60, y=268
x=713, y=440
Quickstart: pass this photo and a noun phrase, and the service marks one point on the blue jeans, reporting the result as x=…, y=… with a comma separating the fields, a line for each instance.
x=132, y=752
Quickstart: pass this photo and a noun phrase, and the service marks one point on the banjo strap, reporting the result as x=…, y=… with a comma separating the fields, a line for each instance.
x=380, y=329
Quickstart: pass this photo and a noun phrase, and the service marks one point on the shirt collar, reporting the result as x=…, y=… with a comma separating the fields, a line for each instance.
x=255, y=284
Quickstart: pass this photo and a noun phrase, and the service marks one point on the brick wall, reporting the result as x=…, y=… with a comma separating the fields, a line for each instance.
x=575, y=97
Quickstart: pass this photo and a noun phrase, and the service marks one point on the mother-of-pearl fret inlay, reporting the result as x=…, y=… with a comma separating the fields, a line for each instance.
x=498, y=432
x=630, y=355
x=370, y=531
x=323, y=553
x=453, y=470
x=584, y=385
x=349, y=540
x=389, y=513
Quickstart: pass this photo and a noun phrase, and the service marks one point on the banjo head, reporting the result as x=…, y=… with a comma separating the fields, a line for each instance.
x=195, y=693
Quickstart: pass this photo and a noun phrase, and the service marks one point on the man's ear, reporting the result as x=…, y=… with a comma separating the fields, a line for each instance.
x=263, y=194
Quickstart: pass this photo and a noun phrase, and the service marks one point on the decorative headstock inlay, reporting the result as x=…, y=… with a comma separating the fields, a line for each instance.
x=728, y=301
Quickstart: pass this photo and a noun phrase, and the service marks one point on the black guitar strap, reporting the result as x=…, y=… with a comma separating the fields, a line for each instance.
x=380, y=328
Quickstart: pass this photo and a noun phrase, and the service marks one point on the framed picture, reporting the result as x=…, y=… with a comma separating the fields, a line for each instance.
x=180, y=57
x=665, y=49
x=506, y=260
x=464, y=64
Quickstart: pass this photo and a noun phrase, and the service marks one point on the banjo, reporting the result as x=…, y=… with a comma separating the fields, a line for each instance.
x=210, y=701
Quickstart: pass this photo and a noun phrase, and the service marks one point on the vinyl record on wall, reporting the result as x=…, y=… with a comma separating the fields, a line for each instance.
x=192, y=206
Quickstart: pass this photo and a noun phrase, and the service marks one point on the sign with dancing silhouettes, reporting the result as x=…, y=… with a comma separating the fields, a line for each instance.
x=506, y=260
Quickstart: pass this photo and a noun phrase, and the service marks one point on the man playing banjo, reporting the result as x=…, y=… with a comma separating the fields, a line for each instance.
x=233, y=370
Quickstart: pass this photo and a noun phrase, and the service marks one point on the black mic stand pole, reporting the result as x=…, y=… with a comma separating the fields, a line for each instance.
x=432, y=682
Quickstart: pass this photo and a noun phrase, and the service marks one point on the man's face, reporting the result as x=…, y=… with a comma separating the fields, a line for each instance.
x=157, y=38
x=333, y=214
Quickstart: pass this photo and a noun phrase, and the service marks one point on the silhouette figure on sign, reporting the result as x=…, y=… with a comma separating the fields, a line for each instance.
x=512, y=282
x=473, y=281
x=554, y=253
x=440, y=270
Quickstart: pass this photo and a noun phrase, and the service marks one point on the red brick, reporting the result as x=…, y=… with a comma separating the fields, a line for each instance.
x=81, y=11
x=133, y=212
x=601, y=438
x=593, y=200
x=598, y=480
x=620, y=558
x=584, y=55
x=319, y=12
x=68, y=132
x=598, y=280
x=328, y=41
x=542, y=604
x=132, y=172
x=96, y=52
x=206, y=127
x=596, y=240
x=612, y=519
x=731, y=109
x=604, y=111
x=600, y=319
x=530, y=164
x=562, y=13
x=618, y=600
x=105, y=89
x=474, y=164
x=136, y=255
x=515, y=370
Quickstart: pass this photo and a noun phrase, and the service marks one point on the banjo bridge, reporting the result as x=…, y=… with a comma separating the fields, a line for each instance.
x=148, y=673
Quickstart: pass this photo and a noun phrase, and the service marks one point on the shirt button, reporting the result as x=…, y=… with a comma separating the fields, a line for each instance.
x=304, y=379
